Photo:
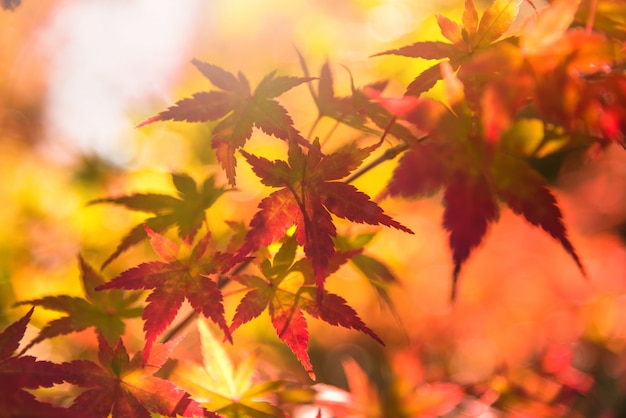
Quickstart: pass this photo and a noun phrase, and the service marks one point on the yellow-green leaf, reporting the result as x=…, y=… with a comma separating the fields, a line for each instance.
x=496, y=21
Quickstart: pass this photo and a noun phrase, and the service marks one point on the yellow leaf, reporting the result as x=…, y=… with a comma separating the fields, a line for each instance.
x=496, y=21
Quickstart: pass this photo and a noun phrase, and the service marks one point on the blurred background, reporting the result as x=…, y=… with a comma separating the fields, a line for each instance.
x=528, y=335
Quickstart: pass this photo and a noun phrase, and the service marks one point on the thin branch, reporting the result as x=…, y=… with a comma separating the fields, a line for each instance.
x=331, y=131
x=178, y=328
x=592, y=16
x=390, y=154
x=315, y=123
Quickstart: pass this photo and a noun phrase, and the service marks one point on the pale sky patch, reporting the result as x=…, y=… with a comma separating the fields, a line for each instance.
x=107, y=59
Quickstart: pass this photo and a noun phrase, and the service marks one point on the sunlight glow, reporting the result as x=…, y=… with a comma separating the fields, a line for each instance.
x=109, y=57
x=391, y=20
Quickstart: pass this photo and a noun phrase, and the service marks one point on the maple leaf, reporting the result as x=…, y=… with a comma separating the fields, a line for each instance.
x=238, y=109
x=526, y=192
x=102, y=310
x=474, y=35
x=345, y=109
x=560, y=73
x=309, y=194
x=125, y=387
x=354, y=110
x=186, y=211
x=184, y=273
x=18, y=372
x=287, y=299
x=474, y=175
x=590, y=105
x=225, y=389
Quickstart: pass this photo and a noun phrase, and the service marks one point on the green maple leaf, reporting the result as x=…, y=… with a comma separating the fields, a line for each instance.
x=186, y=212
x=105, y=311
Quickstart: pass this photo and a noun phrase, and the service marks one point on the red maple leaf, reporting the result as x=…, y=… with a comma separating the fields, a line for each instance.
x=103, y=310
x=18, y=372
x=562, y=74
x=288, y=300
x=185, y=211
x=309, y=194
x=183, y=274
x=238, y=109
x=125, y=387
x=472, y=36
x=474, y=174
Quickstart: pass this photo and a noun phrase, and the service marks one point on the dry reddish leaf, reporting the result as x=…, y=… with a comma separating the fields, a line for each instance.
x=309, y=194
x=474, y=176
x=125, y=387
x=18, y=373
x=191, y=275
x=238, y=110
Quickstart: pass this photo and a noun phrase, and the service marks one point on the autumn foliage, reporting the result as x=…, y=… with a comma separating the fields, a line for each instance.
x=512, y=98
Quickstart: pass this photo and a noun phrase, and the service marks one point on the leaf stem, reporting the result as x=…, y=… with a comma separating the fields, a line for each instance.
x=331, y=131
x=592, y=16
x=315, y=123
x=390, y=154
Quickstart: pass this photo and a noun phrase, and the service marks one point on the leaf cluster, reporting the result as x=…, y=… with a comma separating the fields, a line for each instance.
x=510, y=97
